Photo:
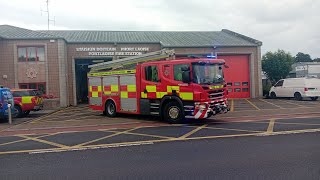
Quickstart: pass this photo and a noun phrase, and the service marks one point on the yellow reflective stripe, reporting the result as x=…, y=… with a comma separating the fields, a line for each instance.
x=99, y=88
x=131, y=88
x=90, y=89
x=143, y=95
x=161, y=94
x=114, y=88
x=112, y=73
x=173, y=88
x=124, y=94
x=27, y=99
x=151, y=88
x=216, y=87
x=107, y=92
x=95, y=94
x=186, y=95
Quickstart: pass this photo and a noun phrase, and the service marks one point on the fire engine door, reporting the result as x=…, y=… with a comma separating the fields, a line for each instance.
x=150, y=82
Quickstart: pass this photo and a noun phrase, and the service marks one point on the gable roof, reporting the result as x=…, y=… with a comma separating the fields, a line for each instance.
x=165, y=38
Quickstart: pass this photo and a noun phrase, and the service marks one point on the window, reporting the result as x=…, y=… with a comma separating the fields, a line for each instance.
x=229, y=84
x=245, y=89
x=245, y=83
x=30, y=54
x=230, y=90
x=151, y=73
x=237, y=90
x=237, y=84
x=178, y=72
x=279, y=83
x=39, y=86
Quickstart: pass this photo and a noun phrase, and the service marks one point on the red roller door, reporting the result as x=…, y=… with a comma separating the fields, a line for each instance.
x=237, y=75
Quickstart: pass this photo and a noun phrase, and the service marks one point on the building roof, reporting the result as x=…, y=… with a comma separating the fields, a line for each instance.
x=12, y=32
x=165, y=38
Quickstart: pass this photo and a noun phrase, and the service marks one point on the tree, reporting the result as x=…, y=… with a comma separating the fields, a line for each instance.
x=316, y=60
x=301, y=57
x=277, y=65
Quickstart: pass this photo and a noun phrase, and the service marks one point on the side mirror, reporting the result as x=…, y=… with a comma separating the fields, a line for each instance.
x=186, y=77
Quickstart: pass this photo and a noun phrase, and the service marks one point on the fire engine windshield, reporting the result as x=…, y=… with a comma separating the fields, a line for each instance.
x=205, y=73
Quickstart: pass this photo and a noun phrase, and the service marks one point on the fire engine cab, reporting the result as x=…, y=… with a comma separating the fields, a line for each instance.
x=156, y=84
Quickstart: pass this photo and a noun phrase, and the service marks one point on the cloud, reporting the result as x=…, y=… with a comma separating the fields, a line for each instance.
x=291, y=25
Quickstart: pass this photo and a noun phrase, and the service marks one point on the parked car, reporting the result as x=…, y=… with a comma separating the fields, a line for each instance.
x=26, y=100
x=297, y=88
x=5, y=99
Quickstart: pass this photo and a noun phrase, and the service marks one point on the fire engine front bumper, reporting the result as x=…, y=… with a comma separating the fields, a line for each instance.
x=205, y=110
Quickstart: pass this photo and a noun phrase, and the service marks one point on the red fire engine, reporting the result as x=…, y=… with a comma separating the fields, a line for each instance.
x=155, y=84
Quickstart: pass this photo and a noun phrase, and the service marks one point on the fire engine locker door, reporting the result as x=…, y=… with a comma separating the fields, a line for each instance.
x=95, y=91
x=128, y=93
x=237, y=76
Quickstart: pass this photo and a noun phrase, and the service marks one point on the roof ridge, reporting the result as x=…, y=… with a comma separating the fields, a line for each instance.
x=242, y=36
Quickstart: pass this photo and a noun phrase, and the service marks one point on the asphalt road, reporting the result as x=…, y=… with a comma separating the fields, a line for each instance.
x=292, y=156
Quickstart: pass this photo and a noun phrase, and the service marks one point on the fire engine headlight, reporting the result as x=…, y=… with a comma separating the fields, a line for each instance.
x=202, y=106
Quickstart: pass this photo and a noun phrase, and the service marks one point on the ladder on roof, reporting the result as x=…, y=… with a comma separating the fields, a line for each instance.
x=132, y=61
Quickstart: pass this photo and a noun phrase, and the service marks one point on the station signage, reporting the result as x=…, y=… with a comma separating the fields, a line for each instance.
x=112, y=51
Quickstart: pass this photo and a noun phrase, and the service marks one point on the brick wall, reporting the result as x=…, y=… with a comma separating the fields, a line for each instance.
x=15, y=70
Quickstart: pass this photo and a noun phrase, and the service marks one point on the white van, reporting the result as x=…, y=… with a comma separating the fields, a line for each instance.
x=296, y=87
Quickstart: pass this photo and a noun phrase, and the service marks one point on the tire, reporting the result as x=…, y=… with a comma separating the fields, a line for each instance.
x=173, y=112
x=314, y=98
x=297, y=96
x=273, y=95
x=26, y=113
x=17, y=112
x=110, y=110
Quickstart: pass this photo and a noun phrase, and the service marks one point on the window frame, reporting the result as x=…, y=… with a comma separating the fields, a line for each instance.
x=36, y=53
x=146, y=71
x=181, y=65
x=37, y=86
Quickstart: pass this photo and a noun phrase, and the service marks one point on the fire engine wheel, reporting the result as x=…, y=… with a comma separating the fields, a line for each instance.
x=17, y=111
x=110, y=110
x=173, y=112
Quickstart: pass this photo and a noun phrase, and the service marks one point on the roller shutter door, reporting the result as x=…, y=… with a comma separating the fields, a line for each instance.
x=237, y=75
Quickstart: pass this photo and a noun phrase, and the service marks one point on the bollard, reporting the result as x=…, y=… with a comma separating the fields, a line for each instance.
x=9, y=114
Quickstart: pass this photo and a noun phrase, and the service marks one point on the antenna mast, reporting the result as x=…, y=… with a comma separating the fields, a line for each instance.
x=48, y=13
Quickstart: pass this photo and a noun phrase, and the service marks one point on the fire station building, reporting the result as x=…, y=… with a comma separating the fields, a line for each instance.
x=56, y=62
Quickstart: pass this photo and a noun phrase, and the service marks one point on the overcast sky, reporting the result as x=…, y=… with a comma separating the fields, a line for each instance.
x=291, y=25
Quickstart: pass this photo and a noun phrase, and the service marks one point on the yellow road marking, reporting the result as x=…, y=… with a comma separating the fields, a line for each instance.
x=105, y=137
x=42, y=117
x=252, y=104
x=232, y=105
x=271, y=103
x=271, y=125
x=140, y=134
x=43, y=141
x=193, y=131
x=163, y=140
x=233, y=129
x=22, y=140
x=308, y=124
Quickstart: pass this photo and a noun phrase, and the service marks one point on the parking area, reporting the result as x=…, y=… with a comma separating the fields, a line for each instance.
x=80, y=128
x=150, y=134
x=238, y=105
